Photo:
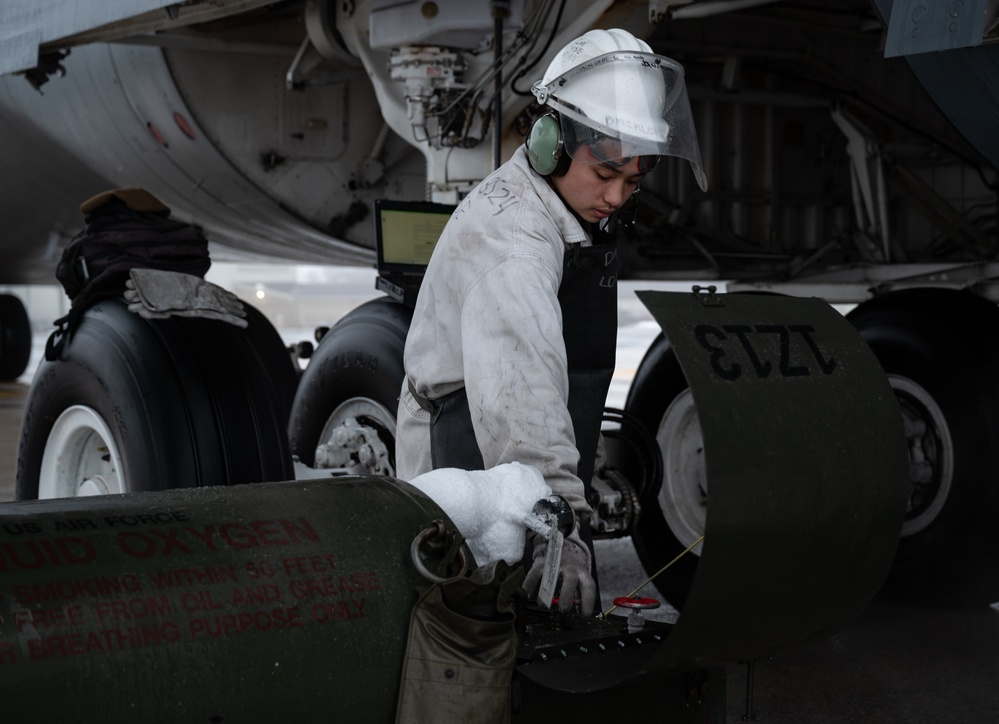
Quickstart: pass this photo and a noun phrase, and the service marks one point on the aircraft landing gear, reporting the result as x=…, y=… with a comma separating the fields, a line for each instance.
x=135, y=404
x=346, y=401
x=939, y=351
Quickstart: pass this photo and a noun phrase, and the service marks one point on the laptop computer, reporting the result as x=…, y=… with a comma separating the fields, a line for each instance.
x=405, y=235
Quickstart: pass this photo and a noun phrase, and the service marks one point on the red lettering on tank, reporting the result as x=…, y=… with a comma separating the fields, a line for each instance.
x=59, y=617
x=259, y=569
x=50, y=549
x=270, y=533
x=132, y=609
x=199, y=575
x=76, y=551
x=41, y=593
x=332, y=587
x=102, y=641
x=192, y=540
x=297, y=530
x=259, y=593
x=199, y=601
x=34, y=554
x=342, y=610
x=25, y=557
x=238, y=536
x=206, y=536
x=170, y=541
x=137, y=545
x=227, y=624
x=303, y=565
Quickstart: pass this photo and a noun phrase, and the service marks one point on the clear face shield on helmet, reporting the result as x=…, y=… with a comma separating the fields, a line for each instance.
x=625, y=104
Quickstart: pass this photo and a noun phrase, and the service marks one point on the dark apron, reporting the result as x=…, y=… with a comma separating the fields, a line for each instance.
x=588, y=298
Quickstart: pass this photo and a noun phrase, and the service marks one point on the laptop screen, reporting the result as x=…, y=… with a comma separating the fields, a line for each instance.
x=406, y=233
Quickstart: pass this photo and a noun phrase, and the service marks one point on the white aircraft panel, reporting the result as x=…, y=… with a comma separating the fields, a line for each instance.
x=26, y=24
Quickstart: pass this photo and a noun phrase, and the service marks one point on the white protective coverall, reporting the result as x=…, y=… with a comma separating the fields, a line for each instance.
x=488, y=319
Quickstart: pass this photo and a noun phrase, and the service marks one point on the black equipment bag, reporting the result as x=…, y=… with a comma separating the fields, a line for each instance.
x=125, y=229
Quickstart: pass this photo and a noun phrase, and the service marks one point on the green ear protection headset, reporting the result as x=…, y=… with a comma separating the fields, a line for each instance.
x=547, y=153
x=546, y=148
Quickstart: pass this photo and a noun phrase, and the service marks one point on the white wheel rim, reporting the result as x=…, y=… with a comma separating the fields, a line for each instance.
x=931, y=452
x=683, y=497
x=365, y=414
x=80, y=458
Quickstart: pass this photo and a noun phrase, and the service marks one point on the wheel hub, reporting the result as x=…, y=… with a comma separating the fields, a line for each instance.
x=357, y=439
x=81, y=457
x=683, y=497
x=931, y=453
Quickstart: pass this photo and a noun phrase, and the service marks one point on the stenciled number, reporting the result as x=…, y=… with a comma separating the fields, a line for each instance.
x=720, y=354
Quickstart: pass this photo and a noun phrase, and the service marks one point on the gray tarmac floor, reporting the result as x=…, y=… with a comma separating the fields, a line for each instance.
x=892, y=664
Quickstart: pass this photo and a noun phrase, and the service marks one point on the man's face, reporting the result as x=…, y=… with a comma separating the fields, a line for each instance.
x=595, y=190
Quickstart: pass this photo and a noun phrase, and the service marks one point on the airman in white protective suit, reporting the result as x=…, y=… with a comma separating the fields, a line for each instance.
x=512, y=344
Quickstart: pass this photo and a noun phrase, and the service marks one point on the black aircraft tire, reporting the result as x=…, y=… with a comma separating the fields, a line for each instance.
x=223, y=375
x=275, y=357
x=940, y=350
x=172, y=402
x=356, y=373
x=657, y=382
x=15, y=337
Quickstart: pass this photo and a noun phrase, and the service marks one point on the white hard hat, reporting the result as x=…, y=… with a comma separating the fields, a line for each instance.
x=621, y=100
x=589, y=46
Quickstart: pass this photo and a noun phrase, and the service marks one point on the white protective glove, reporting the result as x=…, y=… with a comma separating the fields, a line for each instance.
x=487, y=506
x=574, y=571
x=157, y=294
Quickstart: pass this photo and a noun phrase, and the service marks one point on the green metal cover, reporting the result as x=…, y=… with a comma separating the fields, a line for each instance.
x=807, y=470
x=262, y=602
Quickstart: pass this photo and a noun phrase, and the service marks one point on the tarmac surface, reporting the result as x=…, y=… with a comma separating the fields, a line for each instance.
x=892, y=664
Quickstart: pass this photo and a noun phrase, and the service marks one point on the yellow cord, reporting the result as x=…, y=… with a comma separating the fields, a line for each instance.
x=687, y=550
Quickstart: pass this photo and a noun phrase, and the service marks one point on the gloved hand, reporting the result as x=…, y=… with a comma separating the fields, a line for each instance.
x=574, y=571
x=155, y=294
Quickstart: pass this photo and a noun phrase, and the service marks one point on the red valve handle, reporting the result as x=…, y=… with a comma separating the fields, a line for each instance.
x=636, y=602
x=576, y=600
